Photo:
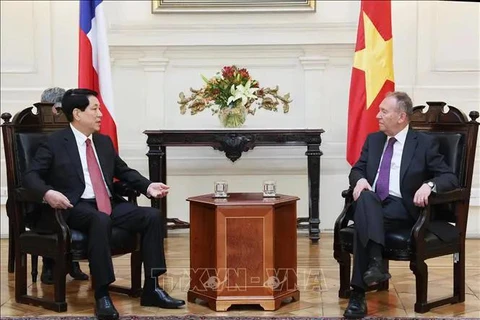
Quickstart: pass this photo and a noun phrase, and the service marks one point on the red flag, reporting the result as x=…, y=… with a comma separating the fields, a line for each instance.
x=372, y=73
x=94, y=62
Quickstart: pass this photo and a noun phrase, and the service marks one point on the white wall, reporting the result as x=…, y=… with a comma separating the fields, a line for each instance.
x=154, y=57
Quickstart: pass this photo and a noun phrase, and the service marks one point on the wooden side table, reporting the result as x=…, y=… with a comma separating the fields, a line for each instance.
x=243, y=250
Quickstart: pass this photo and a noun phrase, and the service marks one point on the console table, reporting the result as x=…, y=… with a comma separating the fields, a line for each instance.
x=234, y=142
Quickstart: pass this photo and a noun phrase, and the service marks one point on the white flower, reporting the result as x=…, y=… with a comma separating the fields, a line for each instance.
x=243, y=92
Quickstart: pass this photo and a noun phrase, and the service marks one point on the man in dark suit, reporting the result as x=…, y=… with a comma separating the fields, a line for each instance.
x=74, y=170
x=397, y=170
x=54, y=95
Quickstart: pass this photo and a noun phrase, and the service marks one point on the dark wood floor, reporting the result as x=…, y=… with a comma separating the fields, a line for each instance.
x=317, y=281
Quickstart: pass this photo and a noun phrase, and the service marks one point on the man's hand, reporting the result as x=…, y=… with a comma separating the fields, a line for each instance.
x=57, y=200
x=361, y=185
x=157, y=190
x=421, y=196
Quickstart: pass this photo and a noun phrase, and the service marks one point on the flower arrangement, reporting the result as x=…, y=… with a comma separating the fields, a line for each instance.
x=232, y=94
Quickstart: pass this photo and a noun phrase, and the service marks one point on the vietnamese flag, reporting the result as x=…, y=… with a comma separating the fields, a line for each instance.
x=372, y=73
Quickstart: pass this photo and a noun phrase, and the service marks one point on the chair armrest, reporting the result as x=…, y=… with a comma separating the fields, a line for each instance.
x=123, y=189
x=23, y=195
x=348, y=194
x=423, y=221
x=345, y=216
x=56, y=222
x=53, y=220
x=450, y=196
x=418, y=230
x=62, y=230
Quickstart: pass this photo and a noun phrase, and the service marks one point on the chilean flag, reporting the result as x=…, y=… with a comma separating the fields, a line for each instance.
x=94, y=62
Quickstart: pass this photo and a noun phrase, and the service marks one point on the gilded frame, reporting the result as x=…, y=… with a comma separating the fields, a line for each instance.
x=208, y=6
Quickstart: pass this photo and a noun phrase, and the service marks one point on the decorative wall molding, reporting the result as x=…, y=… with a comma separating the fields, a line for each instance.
x=29, y=94
x=32, y=45
x=257, y=56
x=314, y=63
x=435, y=63
x=140, y=34
x=440, y=37
x=151, y=64
x=26, y=67
x=464, y=97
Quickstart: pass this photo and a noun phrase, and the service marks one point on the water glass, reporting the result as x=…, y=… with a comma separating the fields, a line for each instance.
x=269, y=188
x=220, y=189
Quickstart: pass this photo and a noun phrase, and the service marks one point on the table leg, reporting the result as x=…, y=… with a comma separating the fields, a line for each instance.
x=313, y=154
x=157, y=167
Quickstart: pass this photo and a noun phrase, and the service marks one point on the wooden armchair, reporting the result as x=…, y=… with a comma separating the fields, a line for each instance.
x=458, y=140
x=37, y=229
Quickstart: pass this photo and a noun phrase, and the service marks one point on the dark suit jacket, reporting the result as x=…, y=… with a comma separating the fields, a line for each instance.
x=57, y=166
x=421, y=162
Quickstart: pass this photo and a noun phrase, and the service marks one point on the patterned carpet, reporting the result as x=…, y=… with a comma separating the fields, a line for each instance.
x=194, y=317
x=189, y=317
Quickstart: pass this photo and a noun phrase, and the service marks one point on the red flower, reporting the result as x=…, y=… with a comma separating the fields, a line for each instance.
x=227, y=72
x=244, y=73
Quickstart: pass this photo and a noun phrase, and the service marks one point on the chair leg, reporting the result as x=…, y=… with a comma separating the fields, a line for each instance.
x=34, y=268
x=20, y=276
x=459, y=277
x=59, y=277
x=420, y=270
x=11, y=248
x=344, y=264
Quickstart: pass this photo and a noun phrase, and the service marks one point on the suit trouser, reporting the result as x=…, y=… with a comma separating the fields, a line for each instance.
x=373, y=218
x=85, y=217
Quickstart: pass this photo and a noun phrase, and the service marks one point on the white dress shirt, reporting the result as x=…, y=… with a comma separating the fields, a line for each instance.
x=394, y=187
x=82, y=150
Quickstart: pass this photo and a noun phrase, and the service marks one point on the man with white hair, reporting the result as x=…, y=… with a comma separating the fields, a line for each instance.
x=397, y=171
x=53, y=95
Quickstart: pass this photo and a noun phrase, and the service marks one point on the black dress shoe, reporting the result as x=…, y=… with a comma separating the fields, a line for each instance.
x=357, y=306
x=105, y=310
x=159, y=298
x=47, y=274
x=77, y=273
x=376, y=272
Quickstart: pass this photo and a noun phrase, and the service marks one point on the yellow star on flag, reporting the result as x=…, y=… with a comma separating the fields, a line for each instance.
x=376, y=60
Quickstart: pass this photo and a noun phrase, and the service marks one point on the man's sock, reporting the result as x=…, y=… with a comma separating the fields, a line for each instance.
x=48, y=262
x=358, y=290
x=150, y=284
x=101, y=292
x=374, y=249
